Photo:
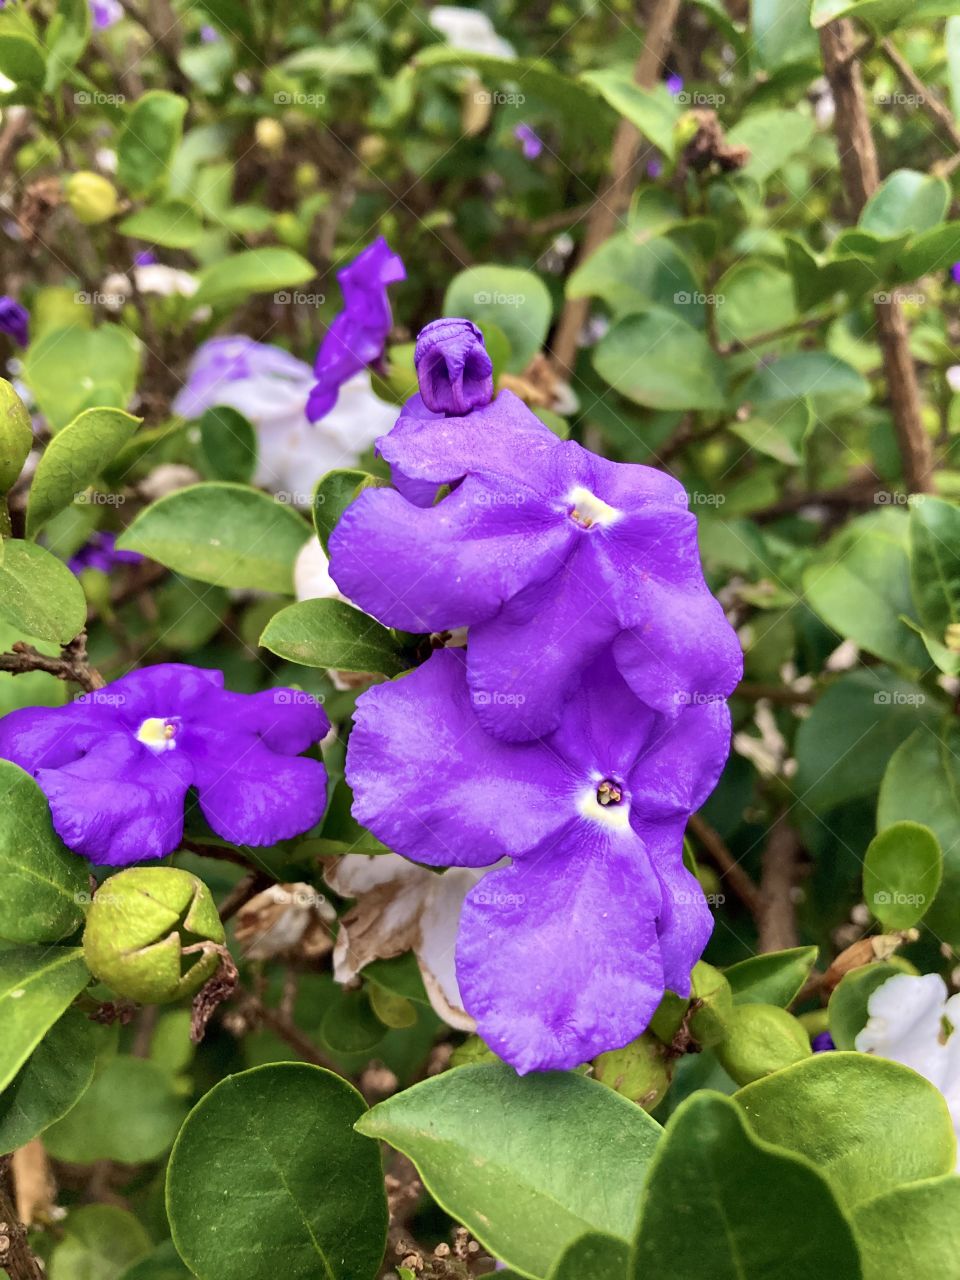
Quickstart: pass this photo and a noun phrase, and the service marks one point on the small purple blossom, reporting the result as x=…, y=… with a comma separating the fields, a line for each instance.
x=358, y=334
x=208, y=34
x=955, y=273
x=453, y=368
x=14, y=320
x=105, y=13
x=145, y=258
x=100, y=553
x=674, y=84
x=530, y=141
x=116, y=764
x=655, y=167
x=566, y=952
x=823, y=1042
x=547, y=552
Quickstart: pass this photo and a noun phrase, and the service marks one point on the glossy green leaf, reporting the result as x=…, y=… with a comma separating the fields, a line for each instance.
x=656, y=359
x=654, y=112
x=883, y=15
x=832, y=386
x=901, y=874
x=772, y=137
x=73, y=459
x=333, y=494
x=350, y=1024
x=43, y=886
x=161, y=1263
x=934, y=250
x=868, y=1124
x=781, y=34
x=860, y=585
x=229, y=444
x=594, y=1256
x=935, y=563
x=225, y=534
x=630, y=272
x=16, y=436
x=100, y=1241
x=252, y=271
x=774, y=978
x=294, y=1152
x=753, y=298
x=151, y=134
x=922, y=784
x=36, y=986
x=332, y=633
x=172, y=224
x=913, y=1231
x=50, y=1082
x=847, y=1009
x=76, y=368
x=527, y=1199
x=906, y=201
x=721, y=1203
x=39, y=596
x=22, y=60
x=514, y=300
x=130, y=1114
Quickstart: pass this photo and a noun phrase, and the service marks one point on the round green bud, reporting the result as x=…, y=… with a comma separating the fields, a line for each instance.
x=141, y=928
x=711, y=1005
x=640, y=1071
x=761, y=1039
x=668, y=1016
x=270, y=134
x=92, y=197
x=306, y=176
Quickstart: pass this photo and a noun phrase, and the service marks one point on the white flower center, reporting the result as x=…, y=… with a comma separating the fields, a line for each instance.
x=603, y=801
x=587, y=509
x=158, y=734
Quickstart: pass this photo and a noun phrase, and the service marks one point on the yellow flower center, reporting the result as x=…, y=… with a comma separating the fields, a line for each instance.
x=587, y=509
x=157, y=733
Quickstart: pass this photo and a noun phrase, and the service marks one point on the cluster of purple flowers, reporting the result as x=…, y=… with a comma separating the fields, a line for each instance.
x=582, y=725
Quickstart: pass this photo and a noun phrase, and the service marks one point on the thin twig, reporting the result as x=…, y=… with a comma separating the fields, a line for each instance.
x=861, y=177
x=777, y=920
x=730, y=870
x=241, y=893
x=925, y=97
x=16, y=1256
x=285, y=1029
x=72, y=665
x=780, y=694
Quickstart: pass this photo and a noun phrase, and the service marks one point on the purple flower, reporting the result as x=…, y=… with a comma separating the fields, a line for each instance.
x=275, y=381
x=654, y=167
x=531, y=141
x=823, y=1042
x=105, y=13
x=145, y=258
x=548, y=553
x=453, y=368
x=955, y=273
x=565, y=953
x=100, y=553
x=14, y=320
x=674, y=84
x=357, y=336
x=208, y=34
x=116, y=765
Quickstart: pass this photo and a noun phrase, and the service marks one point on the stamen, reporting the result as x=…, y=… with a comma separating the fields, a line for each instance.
x=609, y=793
x=587, y=509
x=157, y=733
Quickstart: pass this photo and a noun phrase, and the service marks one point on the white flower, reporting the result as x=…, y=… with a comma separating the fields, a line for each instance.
x=401, y=907
x=165, y=282
x=470, y=30
x=912, y=1021
x=311, y=574
x=953, y=377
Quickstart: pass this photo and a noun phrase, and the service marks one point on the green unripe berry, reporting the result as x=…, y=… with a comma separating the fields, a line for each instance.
x=711, y=1005
x=92, y=197
x=761, y=1039
x=640, y=1071
x=138, y=925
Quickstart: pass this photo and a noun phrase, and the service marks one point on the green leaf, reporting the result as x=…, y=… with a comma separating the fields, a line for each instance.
x=935, y=250
x=16, y=436
x=67, y=37
x=721, y=1203
x=225, y=534
x=883, y=15
x=781, y=34
x=39, y=595
x=172, y=224
x=631, y=272
x=42, y=885
x=36, y=986
x=333, y=494
x=868, y=1124
x=130, y=1114
x=847, y=1009
x=653, y=112
x=49, y=1083
x=76, y=368
x=594, y=1256
x=162, y=1263
x=658, y=360
x=332, y=633
x=73, y=459
x=772, y=138
x=229, y=444
x=845, y=744
x=905, y=201
x=516, y=301
x=753, y=297
x=293, y=1152
x=22, y=61
x=922, y=784
x=525, y=1199
x=151, y=134
x=100, y=1242
x=350, y=1024
x=901, y=874
x=833, y=386
x=935, y=562
x=860, y=585
x=775, y=978
x=253, y=271
x=352, y=59
x=913, y=1231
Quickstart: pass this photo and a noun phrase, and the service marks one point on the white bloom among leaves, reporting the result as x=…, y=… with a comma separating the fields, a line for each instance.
x=401, y=907
x=913, y=1020
x=470, y=30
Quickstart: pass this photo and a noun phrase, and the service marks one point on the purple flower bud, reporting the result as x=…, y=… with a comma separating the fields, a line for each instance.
x=823, y=1042
x=955, y=272
x=145, y=259
x=674, y=84
x=455, y=372
x=531, y=141
x=101, y=553
x=208, y=34
x=14, y=320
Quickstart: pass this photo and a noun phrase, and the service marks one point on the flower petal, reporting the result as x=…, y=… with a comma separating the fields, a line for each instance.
x=558, y=958
x=682, y=762
x=432, y=785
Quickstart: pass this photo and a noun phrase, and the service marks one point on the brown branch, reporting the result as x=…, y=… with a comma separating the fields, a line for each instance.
x=777, y=920
x=780, y=694
x=16, y=1256
x=72, y=665
x=934, y=108
x=730, y=870
x=284, y=1028
x=861, y=177
x=614, y=196
x=241, y=893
